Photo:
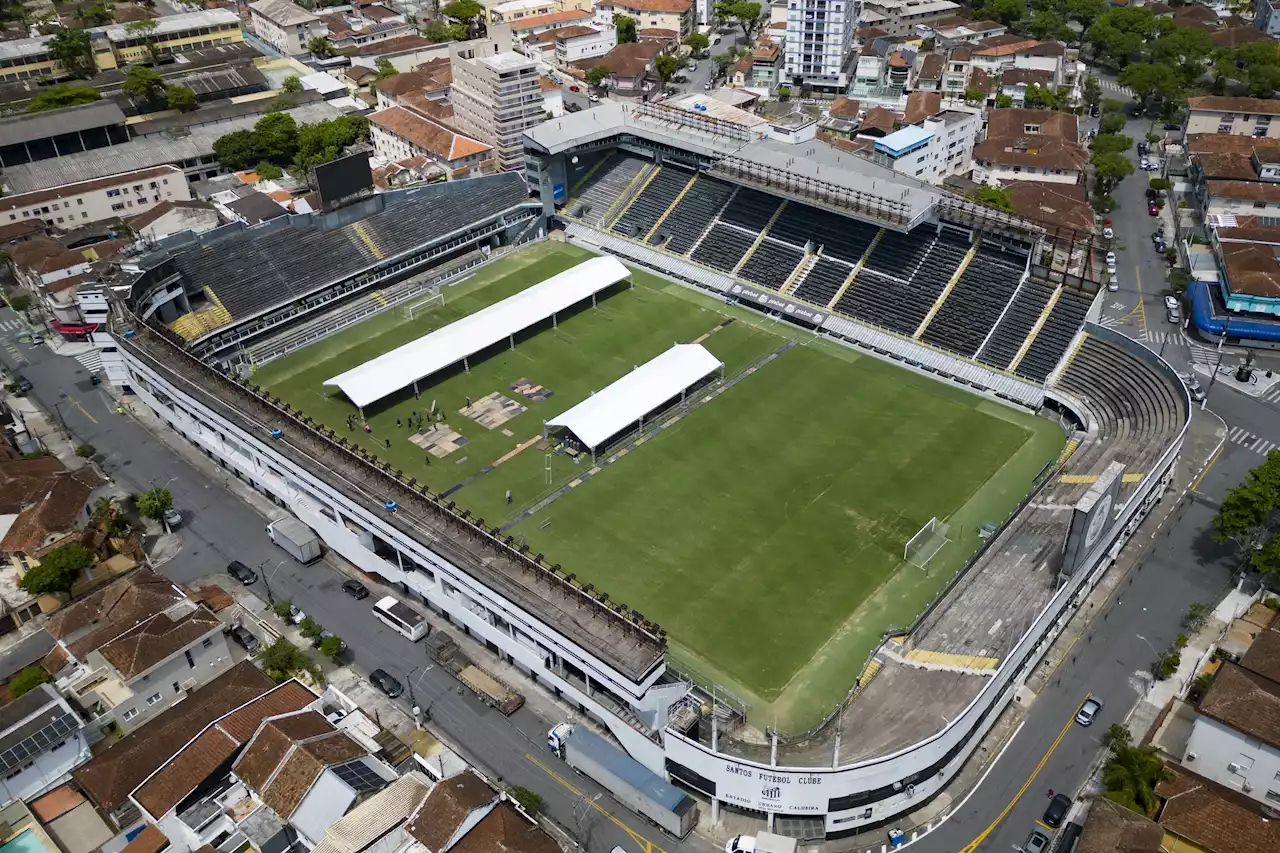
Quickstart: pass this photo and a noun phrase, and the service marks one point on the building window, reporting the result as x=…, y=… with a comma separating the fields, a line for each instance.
x=191, y=662
x=1273, y=796
x=129, y=714
x=113, y=193
x=1224, y=128
x=207, y=643
x=154, y=698
x=117, y=207
x=177, y=688
x=79, y=202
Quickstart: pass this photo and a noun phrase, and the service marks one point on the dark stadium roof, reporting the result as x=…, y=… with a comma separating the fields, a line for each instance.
x=256, y=269
x=32, y=126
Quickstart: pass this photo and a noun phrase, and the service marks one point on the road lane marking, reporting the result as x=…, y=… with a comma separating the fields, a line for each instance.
x=647, y=845
x=1212, y=460
x=82, y=409
x=973, y=845
x=1142, y=300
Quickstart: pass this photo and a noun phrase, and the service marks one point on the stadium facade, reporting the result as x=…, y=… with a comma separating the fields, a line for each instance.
x=1002, y=307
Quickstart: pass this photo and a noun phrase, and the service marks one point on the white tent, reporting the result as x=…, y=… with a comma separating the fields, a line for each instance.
x=606, y=413
x=405, y=365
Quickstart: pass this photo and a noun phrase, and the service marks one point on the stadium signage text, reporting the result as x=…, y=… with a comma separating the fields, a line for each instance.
x=773, y=302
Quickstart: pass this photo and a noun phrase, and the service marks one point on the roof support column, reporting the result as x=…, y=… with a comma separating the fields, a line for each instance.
x=511, y=339
x=466, y=365
x=415, y=389
x=593, y=300
x=555, y=323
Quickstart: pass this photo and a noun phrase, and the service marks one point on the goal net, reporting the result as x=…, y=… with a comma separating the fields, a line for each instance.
x=922, y=547
x=423, y=304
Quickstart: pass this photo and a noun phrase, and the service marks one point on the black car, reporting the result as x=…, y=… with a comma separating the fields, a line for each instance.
x=23, y=383
x=1152, y=194
x=1172, y=126
x=1057, y=811
x=241, y=572
x=355, y=589
x=385, y=682
x=1143, y=148
x=245, y=638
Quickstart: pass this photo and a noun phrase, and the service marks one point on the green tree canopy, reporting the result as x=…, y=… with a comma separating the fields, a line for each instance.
x=626, y=27
x=597, y=75
x=63, y=95
x=320, y=46
x=697, y=41
x=292, y=84
x=96, y=15
x=237, y=149
x=993, y=197
x=467, y=13
x=1092, y=91
x=443, y=31
x=143, y=84
x=1004, y=102
x=1048, y=26
x=1007, y=12
x=1130, y=777
x=1111, y=168
x=155, y=503
x=1250, y=517
x=974, y=95
x=277, y=137
x=667, y=65
x=385, y=68
x=1148, y=79
x=181, y=98
x=324, y=141
x=73, y=49
x=1112, y=123
x=57, y=570
x=1111, y=143
x=268, y=170
x=748, y=15
x=28, y=679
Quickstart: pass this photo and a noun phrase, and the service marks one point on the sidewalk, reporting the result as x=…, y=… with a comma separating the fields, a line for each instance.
x=46, y=431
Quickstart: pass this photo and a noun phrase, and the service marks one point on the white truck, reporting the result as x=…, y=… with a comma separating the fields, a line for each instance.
x=296, y=538
x=762, y=842
x=631, y=783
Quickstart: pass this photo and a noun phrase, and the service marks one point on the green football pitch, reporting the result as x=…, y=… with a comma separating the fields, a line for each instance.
x=764, y=529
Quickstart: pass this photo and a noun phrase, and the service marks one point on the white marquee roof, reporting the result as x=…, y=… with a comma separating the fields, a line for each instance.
x=401, y=367
x=606, y=413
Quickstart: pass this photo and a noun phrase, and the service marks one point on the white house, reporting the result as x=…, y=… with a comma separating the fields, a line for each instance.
x=41, y=742
x=285, y=26
x=70, y=206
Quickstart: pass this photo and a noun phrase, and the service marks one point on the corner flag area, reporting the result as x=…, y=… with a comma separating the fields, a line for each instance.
x=753, y=487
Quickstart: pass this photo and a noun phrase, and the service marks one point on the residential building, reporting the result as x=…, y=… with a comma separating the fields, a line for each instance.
x=564, y=45
x=403, y=52
x=285, y=26
x=174, y=217
x=41, y=742
x=399, y=133
x=44, y=506
x=135, y=647
x=114, y=46
x=571, y=17
x=1030, y=145
x=72, y=205
x=934, y=146
x=496, y=96
x=929, y=72
x=816, y=50
x=1235, y=116
x=1112, y=828
x=519, y=11
x=900, y=18
x=1054, y=205
x=364, y=25
x=1015, y=82
x=112, y=777
x=1201, y=815
x=674, y=15
x=629, y=65
x=953, y=30
x=1266, y=16
x=380, y=823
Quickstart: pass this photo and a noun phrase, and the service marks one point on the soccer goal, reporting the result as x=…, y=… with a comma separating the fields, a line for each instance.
x=922, y=547
x=423, y=304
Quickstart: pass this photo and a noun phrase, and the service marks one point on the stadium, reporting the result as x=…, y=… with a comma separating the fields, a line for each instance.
x=780, y=466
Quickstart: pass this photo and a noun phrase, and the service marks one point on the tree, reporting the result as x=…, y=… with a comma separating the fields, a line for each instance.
x=155, y=503
x=597, y=75
x=276, y=137
x=530, y=801
x=73, y=49
x=141, y=83
x=292, y=84
x=1111, y=105
x=746, y=14
x=323, y=141
x=1038, y=98
x=1184, y=49
x=20, y=302
x=237, y=149
x=1264, y=81
x=1116, y=735
x=282, y=659
x=1004, y=102
x=626, y=27
x=1085, y=12
x=1147, y=79
x=1092, y=91
x=697, y=41
x=1131, y=775
x=722, y=62
x=1112, y=123
x=57, y=570
x=667, y=65
x=268, y=170
x=180, y=98
x=385, y=68
x=974, y=95
x=145, y=29
x=96, y=16
x=1007, y=12
x=28, y=679
x=86, y=451
x=331, y=646
x=468, y=13
x=310, y=628
x=1111, y=143
x=1111, y=168
x=784, y=93
x=320, y=46
x=993, y=197
x=443, y=31
x=63, y=95
x=1250, y=517
x=1048, y=25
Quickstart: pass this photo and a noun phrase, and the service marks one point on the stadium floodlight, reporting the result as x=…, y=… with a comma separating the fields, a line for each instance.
x=922, y=547
x=436, y=298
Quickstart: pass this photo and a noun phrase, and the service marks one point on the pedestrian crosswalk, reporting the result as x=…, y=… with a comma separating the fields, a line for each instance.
x=91, y=360
x=1113, y=86
x=1162, y=338
x=1256, y=443
x=1271, y=395
x=10, y=324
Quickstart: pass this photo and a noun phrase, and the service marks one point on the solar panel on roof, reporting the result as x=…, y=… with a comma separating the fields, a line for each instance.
x=358, y=775
x=37, y=742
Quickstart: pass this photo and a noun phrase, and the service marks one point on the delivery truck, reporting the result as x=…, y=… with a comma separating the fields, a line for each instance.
x=296, y=538
x=761, y=842
x=631, y=783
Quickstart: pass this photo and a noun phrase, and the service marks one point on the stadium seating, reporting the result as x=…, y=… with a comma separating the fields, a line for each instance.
x=602, y=189
x=723, y=248
x=257, y=269
x=976, y=302
x=750, y=209
x=649, y=206
x=771, y=264
x=1054, y=336
x=694, y=213
x=898, y=255
x=1013, y=328
x=838, y=236
x=823, y=281
x=901, y=300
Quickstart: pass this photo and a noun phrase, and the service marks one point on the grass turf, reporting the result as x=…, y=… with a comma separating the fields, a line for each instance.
x=765, y=529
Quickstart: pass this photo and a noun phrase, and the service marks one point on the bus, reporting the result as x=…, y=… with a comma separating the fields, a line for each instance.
x=402, y=618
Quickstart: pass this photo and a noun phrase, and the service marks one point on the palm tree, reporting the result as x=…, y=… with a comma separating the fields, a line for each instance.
x=105, y=510
x=1131, y=776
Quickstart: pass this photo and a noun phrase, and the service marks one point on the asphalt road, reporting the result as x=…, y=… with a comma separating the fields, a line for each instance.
x=219, y=527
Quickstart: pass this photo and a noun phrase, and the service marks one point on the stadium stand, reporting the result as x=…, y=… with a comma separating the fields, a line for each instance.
x=651, y=204
x=823, y=281
x=976, y=302
x=750, y=209
x=838, y=236
x=898, y=255
x=695, y=212
x=723, y=248
x=771, y=264
x=250, y=270
x=603, y=187
x=1012, y=330
x=1054, y=337
x=919, y=271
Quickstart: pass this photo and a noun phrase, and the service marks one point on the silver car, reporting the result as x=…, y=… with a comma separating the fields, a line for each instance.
x=1037, y=842
x=1089, y=711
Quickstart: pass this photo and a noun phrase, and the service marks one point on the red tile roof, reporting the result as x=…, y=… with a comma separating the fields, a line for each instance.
x=426, y=134
x=1212, y=817
x=447, y=807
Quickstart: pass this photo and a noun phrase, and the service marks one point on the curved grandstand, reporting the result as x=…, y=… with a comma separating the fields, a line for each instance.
x=834, y=244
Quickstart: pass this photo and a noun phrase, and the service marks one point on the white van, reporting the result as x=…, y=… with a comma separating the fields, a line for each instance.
x=764, y=842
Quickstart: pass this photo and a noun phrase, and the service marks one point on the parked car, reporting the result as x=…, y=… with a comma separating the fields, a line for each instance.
x=693, y=66
x=1113, y=283
x=23, y=383
x=1057, y=811
x=1173, y=315
x=1037, y=842
x=574, y=89
x=386, y=682
x=1094, y=111
x=342, y=644
x=1194, y=388
x=1151, y=166
x=1160, y=246
x=594, y=97
x=1171, y=302
x=1107, y=232
x=1111, y=262
x=296, y=615
x=1153, y=210
x=245, y=638
x=1152, y=194
x=355, y=589
x=1089, y=711
x=1143, y=148
x=1172, y=126
x=241, y=572
x=173, y=518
